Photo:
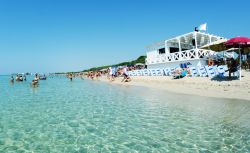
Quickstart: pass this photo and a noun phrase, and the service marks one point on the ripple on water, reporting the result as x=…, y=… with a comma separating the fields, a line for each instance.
x=85, y=116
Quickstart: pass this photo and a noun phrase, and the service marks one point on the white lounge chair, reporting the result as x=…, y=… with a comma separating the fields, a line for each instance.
x=167, y=71
x=153, y=72
x=221, y=70
x=172, y=71
x=210, y=71
x=146, y=72
x=202, y=71
x=130, y=73
x=159, y=72
x=193, y=71
x=134, y=73
x=139, y=72
x=215, y=68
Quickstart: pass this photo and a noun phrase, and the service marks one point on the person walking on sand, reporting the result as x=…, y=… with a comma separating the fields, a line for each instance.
x=111, y=74
x=126, y=77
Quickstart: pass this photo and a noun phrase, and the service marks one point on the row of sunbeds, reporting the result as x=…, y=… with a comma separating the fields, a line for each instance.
x=203, y=71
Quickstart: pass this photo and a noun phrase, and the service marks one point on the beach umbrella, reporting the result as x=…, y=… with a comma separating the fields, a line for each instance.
x=239, y=42
x=216, y=45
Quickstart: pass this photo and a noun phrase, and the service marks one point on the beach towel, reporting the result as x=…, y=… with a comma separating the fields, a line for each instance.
x=182, y=75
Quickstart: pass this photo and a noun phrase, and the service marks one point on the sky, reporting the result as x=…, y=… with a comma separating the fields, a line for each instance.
x=73, y=35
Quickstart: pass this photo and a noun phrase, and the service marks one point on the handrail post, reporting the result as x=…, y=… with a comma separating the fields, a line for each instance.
x=196, y=53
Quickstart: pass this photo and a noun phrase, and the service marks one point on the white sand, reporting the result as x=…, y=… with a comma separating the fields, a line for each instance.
x=201, y=86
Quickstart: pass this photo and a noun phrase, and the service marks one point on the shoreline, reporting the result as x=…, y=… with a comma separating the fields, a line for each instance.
x=197, y=86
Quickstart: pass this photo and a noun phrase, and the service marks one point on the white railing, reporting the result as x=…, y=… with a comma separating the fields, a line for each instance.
x=180, y=56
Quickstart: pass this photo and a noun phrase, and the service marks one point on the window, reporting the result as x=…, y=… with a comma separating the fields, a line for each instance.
x=173, y=49
x=162, y=51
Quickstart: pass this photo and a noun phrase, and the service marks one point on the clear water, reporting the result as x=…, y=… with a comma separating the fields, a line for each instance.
x=91, y=116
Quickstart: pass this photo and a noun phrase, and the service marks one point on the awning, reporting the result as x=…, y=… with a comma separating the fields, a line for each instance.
x=216, y=45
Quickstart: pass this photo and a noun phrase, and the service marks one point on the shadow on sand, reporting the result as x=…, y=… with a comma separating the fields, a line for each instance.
x=220, y=79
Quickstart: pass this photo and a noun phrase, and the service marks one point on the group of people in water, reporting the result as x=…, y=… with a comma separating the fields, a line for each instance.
x=21, y=78
x=70, y=76
x=112, y=73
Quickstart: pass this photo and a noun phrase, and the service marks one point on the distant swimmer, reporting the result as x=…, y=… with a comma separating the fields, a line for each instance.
x=12, y=79
x=70, y=76
x=43, y=77
x=19, y=78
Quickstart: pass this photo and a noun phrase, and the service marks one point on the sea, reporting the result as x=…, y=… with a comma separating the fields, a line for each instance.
x=85, y=116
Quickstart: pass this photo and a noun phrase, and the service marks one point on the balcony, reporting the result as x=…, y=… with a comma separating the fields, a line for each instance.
x=180, y=56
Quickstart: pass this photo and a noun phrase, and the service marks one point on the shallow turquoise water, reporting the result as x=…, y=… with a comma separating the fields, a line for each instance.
x=91, y=116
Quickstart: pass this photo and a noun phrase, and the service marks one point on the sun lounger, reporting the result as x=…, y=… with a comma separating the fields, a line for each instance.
x=130, y=73
x=215, y=68
x=153, y=72
x=146, y=72
x=166, y=71
x=159, y=72
x=134, y=73
x=172, y=71
x=210, y=71
x=138, y=72
x=221, y=70
x=193, y=71
x=141, y=72
x=202, y=71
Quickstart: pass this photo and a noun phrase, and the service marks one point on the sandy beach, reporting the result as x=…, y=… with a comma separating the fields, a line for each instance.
x=201, y=86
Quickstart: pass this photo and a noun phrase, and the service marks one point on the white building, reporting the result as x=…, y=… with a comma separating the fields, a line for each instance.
x=181, y=49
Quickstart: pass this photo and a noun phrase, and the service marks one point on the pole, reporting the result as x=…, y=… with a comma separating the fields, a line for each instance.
x=240, y=63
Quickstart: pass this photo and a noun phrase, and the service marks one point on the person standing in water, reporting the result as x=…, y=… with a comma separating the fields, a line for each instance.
x=17, y=77
x=24, y=77
x=36, y=80
x=12, y=79
x=70, y=76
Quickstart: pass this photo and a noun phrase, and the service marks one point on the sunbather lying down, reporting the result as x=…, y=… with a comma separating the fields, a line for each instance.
x=181, y=75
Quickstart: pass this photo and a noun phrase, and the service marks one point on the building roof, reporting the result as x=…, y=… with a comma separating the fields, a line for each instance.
x=202, y=39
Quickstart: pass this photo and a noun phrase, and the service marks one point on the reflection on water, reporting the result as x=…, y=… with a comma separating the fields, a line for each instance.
x=91, y=116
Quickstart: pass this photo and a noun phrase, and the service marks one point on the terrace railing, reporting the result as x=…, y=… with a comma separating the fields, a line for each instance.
x=180, y=56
